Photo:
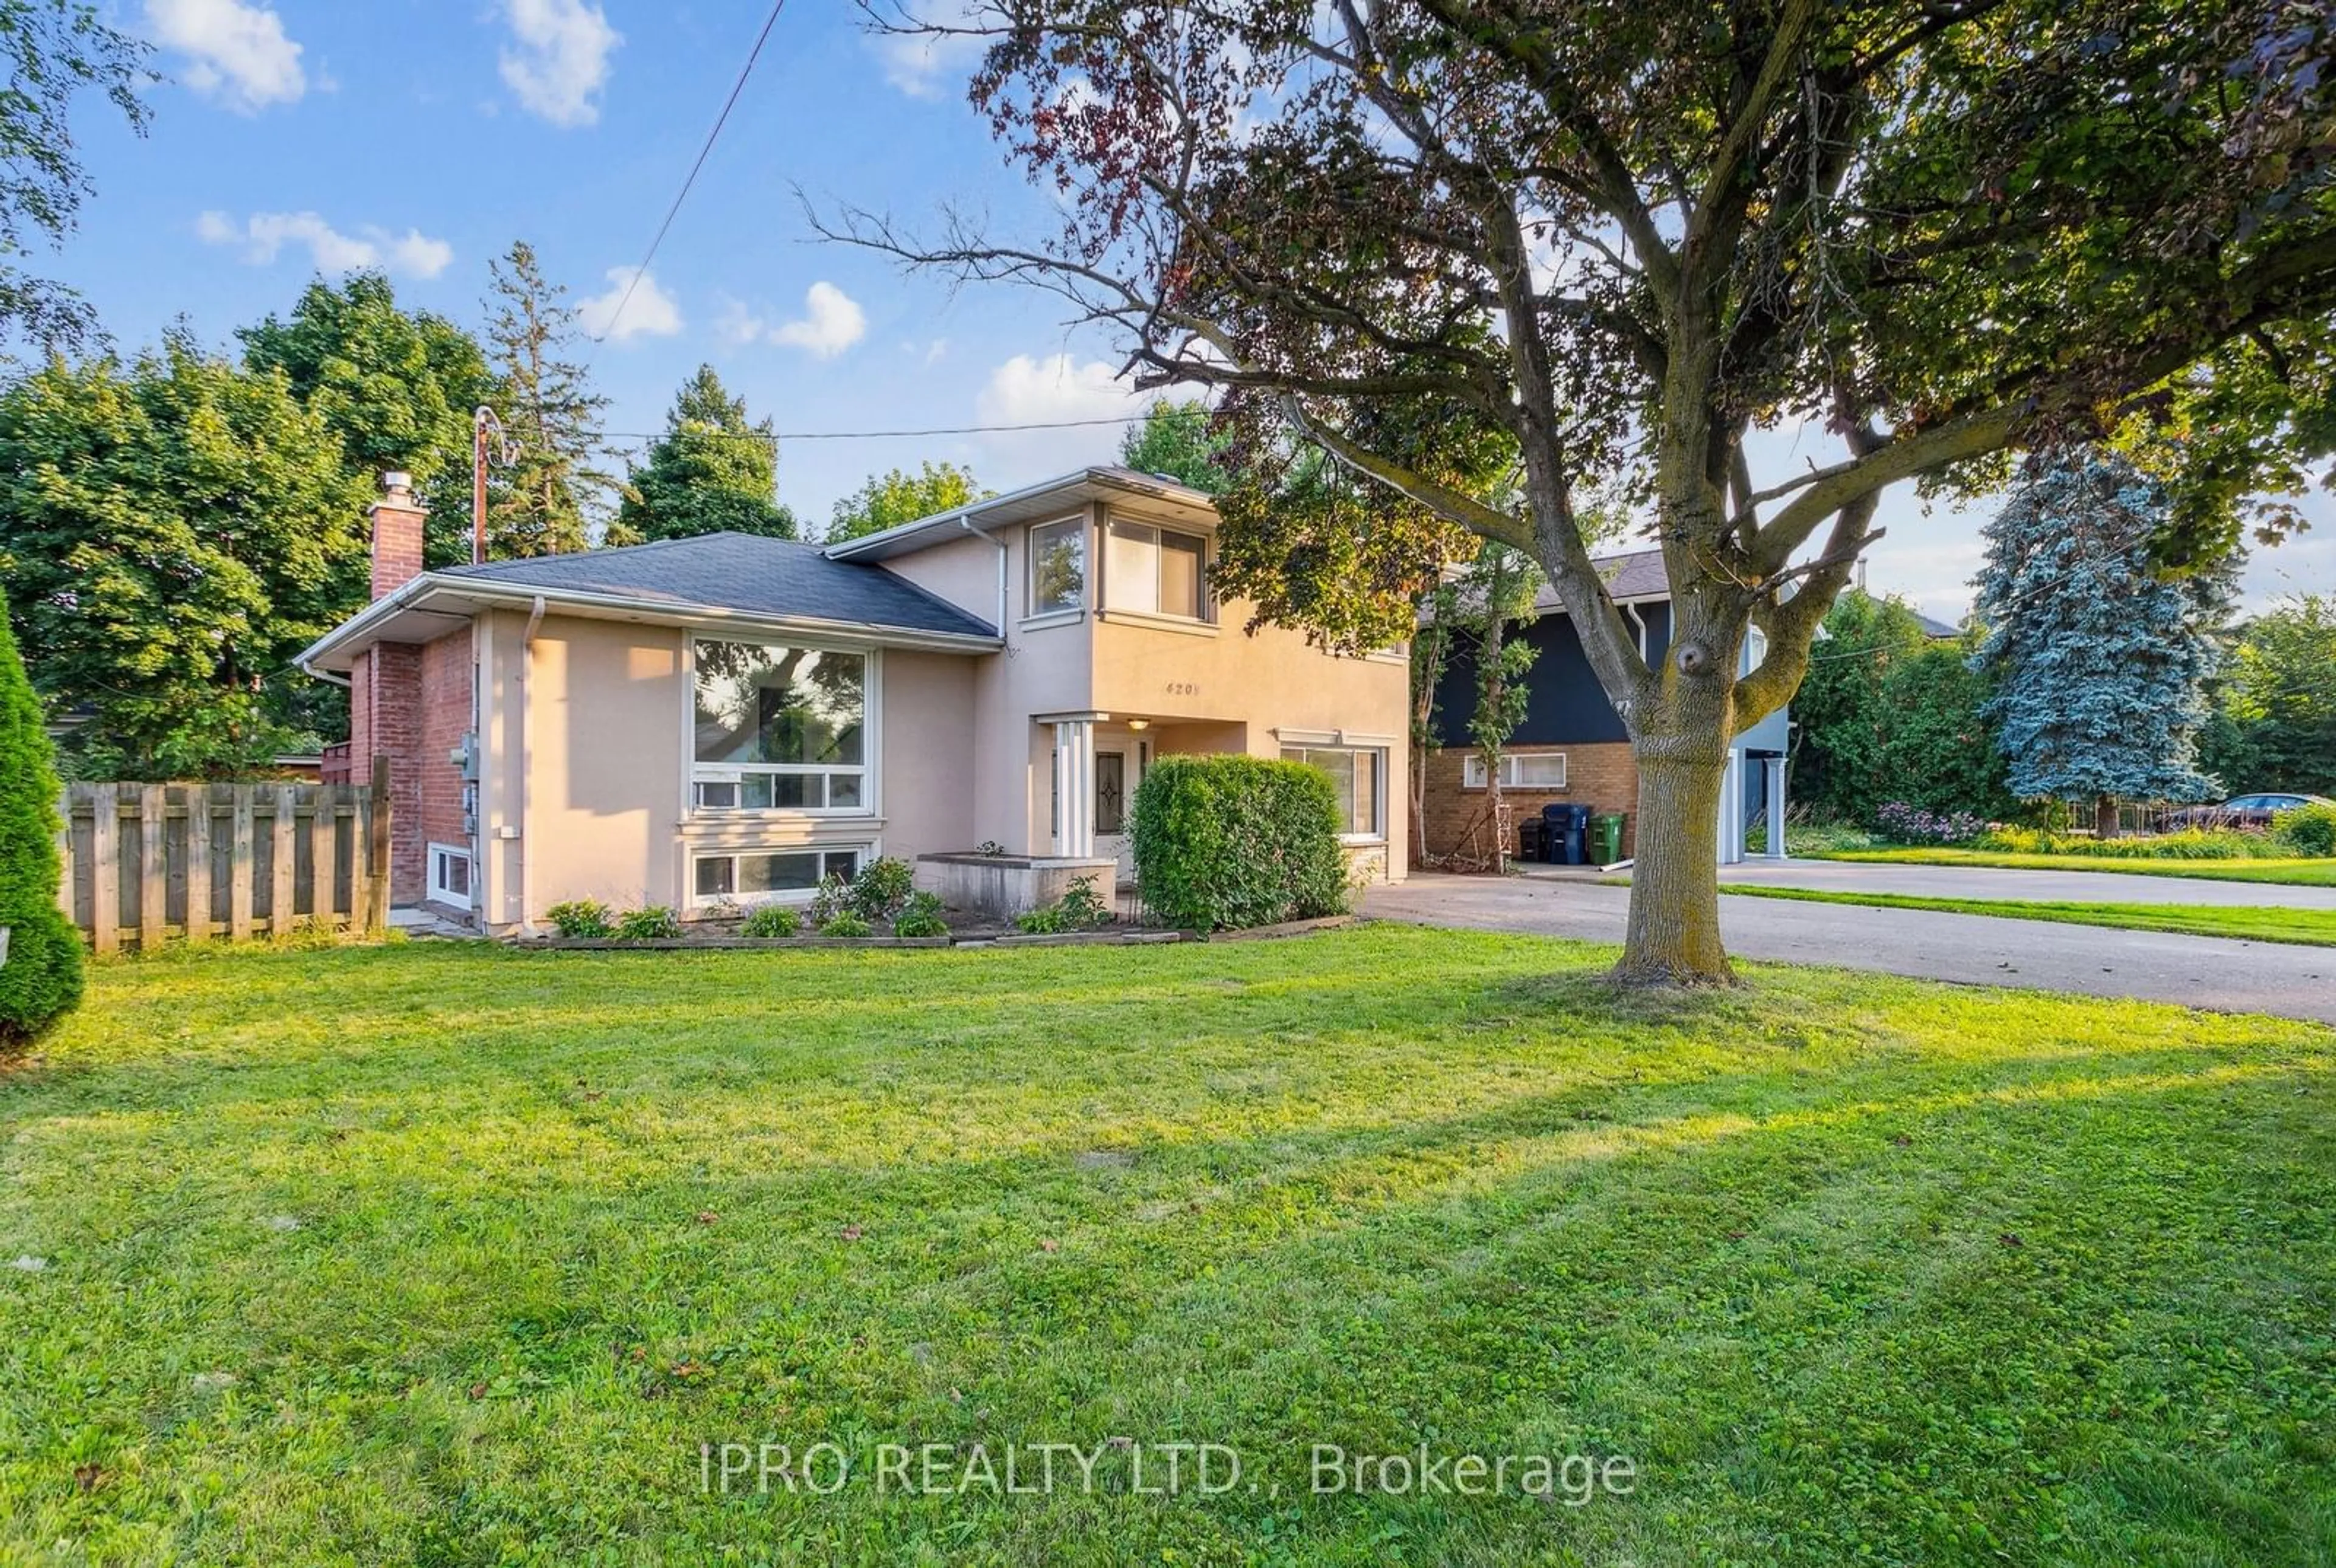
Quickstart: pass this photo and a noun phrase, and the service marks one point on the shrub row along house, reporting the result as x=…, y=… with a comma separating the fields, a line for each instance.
x=1571, y=746
x=725, y=719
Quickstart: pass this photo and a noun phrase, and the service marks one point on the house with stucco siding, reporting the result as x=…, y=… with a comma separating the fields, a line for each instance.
x=719, y=721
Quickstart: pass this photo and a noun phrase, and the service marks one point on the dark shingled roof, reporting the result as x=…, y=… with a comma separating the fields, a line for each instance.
x=1936, y=629
x=1638, y=575
x=743, y=572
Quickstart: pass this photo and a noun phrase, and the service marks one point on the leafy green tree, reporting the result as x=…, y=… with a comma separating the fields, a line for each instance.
x=174, y=531
x=2101, y=661
x=1629, y=235
x=711, y=472
x=547, y=501
x=2274, y=725
x=398, y=386
x=41, y=976
x=1935, y=747
x=52, y=50
x=1839, y=714
x=1497, y=601
x=1178, y=439
x=892, y=498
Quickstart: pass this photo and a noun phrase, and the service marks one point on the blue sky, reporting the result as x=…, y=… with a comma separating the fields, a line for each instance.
x=423, y=136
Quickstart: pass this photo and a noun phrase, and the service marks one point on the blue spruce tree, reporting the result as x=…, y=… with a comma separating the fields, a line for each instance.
x=2101, y=661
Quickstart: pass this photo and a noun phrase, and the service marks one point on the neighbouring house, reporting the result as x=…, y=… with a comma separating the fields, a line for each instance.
x=722, y=720
x=1571, y=746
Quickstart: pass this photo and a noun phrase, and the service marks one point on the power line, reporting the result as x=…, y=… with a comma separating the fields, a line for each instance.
x=778, y=436
x=683, y=194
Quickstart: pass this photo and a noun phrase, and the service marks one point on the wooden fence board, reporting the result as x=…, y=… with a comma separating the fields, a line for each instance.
x=155, y=860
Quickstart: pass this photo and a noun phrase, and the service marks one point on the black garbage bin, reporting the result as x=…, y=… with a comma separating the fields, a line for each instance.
x=1529, y=840
x=1565, y=834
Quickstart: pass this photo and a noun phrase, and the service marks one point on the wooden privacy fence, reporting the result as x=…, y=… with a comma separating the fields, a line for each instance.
x=145, y=862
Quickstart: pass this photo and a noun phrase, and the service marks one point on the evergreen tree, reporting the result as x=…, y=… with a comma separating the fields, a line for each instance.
x=888, y=500
x=173, y=532
x=398, y=386
x=2099, y=661
x=547, y=500
x=42, y=976
x=711, y=472
x=1178, y=439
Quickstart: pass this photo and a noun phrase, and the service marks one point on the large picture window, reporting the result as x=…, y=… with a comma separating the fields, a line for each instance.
x=1354, y=775
x=1058, y=566
x=779, y=729
x=1156, y=570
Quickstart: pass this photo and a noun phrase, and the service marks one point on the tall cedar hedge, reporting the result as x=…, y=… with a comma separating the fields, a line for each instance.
x=1235, y=840
x=41, y=978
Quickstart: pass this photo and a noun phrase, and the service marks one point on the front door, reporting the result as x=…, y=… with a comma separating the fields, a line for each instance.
x=1116, y=772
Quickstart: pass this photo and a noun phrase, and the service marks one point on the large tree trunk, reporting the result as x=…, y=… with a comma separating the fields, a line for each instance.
x=1674, y=930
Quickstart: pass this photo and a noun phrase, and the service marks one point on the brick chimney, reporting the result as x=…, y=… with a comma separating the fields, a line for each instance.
x=397, y=535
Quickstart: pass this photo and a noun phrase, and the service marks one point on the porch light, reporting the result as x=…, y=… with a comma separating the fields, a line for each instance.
x=1139, y=724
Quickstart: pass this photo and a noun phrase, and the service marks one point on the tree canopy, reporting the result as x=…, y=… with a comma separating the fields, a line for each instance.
x=1625, y=235
x=710, y=471
x=396, y=386
x=1178, y=439
x=173, y=531
x=52, y=49
x=2275, y=722
x=896, y=496
x=547, y=500
x=2100, y=663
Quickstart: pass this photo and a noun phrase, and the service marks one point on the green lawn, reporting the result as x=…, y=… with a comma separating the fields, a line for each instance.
x=448, y=1254
x=2309, y=873
x=2311, y=928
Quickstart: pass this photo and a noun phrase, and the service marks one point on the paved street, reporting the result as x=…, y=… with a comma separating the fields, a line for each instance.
x=1975, y=950
x=1994, y=882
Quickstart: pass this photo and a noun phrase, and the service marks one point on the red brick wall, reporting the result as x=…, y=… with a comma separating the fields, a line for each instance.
x=1603, y=776
x=445, y=720
x=385, y=721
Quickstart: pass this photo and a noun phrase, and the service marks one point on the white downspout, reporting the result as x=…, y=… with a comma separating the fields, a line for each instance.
x=526, y=773
x=966, y=523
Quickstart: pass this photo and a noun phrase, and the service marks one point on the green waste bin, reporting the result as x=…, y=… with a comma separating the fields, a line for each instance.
x=1606, y=838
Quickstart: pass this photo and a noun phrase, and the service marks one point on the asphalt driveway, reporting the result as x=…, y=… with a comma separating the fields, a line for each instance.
x=1970, y=950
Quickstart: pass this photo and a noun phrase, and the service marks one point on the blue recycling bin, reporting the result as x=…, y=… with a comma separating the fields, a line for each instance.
x=1565, y=834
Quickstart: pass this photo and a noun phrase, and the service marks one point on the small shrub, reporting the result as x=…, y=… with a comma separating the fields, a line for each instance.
x=1238, y=840
x=655, y=924
x=580, y=919
x=846, y=924
x=1042, y=922
x=1082, y=906
x=42, y=980
x=2190, y=845
x=920, y=916
x=882, y=886
x=2307, y=830
x=832, y=897
x=772, y=921
x=1906, y=825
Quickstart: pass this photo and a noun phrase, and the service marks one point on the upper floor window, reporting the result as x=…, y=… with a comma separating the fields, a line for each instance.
x=1156, y=570
x=779, y=728
x=1059, y=566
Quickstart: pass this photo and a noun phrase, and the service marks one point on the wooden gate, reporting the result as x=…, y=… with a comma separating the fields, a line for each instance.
x=148, y=862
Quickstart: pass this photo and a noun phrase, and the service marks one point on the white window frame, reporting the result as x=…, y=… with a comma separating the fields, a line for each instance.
x=438, y=855
x=1080, y=528
x=1514, y=770
x=868, y=768
x=862, y=855
x=1378, y=757
x=1208, y=607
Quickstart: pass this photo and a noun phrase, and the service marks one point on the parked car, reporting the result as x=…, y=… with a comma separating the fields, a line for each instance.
x=2253, y=811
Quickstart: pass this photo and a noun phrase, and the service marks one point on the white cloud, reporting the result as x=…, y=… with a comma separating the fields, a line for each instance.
x=832, y=322
x=738, y=325
x=1055, y=390
x=651, y=312
x=234, y=52
x=562, y=61
x=926, y=65
x=263, y=234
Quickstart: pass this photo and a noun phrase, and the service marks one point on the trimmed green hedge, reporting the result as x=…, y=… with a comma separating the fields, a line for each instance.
x=1233, y=840
x=43, y=976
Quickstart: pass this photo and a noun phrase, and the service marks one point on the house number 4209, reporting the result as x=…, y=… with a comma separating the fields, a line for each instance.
x=1183, y=688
